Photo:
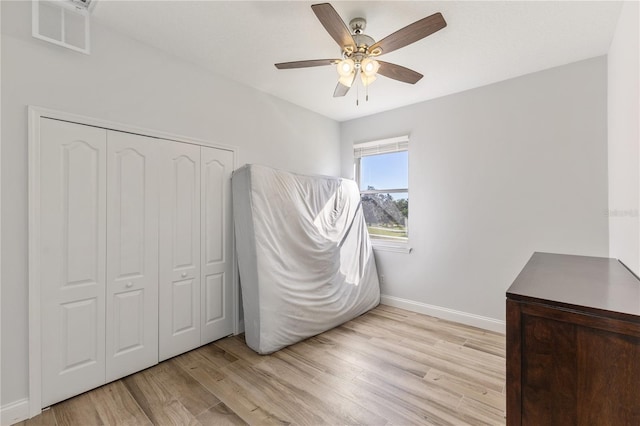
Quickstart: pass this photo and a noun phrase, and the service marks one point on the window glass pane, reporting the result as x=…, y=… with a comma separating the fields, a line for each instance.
x=385, y=171
x=386, y=215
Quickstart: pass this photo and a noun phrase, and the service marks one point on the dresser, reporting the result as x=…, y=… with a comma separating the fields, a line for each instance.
x=573, y=343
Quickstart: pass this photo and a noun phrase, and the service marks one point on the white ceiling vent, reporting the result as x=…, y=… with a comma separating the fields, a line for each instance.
x=63, y=22
x=84, y=4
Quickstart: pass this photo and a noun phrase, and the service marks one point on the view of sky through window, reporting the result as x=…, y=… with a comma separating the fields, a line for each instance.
x=385, y=171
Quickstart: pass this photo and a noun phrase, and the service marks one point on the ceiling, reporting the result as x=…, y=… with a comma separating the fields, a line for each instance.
x=484, y=42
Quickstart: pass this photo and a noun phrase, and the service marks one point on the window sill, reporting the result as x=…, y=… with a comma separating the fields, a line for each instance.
x=396, y=248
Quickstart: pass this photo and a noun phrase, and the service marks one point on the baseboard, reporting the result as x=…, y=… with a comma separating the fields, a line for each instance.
x=14, y=412
x=445, y=313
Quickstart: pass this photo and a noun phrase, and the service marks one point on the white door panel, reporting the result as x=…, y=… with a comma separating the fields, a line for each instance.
x=217, y=244
x=215, y=296
x=179, y=322
x=132, y=254
x=135, y=253
x=128, y=308
x=72, y=255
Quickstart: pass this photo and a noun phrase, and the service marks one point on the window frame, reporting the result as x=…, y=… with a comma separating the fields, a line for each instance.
x=378, y=147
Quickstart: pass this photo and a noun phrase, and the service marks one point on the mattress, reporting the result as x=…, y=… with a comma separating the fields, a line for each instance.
x=304, y=255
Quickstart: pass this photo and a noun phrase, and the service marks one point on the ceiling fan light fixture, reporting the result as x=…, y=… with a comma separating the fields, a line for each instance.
x=367, y=79
x=370, y=67
x=346, y=67
x=346, y=80
x=360, y=50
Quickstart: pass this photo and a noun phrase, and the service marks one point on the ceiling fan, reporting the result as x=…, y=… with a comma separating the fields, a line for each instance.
x=359, y=51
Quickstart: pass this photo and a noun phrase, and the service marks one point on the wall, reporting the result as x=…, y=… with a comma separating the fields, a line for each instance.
x=624, y=135
x=127, y=82
x=495, y=173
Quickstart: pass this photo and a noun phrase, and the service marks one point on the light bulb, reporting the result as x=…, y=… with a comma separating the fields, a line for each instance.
x=367, y=79
x=370, y=67
x=345, y=67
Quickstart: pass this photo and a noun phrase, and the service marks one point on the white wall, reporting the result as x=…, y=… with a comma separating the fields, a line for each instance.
x=127, y=82
x=624, y=135
x=496, y=173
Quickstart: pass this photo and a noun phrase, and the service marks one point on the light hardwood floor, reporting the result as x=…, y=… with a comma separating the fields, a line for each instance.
x=387, y=367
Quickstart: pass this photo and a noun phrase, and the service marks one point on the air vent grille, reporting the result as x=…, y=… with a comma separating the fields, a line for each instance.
x=63, y=23
x=84, y=4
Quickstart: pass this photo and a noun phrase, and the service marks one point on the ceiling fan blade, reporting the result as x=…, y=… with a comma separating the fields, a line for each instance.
x=333, y=23
x=411, y=33
x=398, y=72
x=342, y=89
x=306, y=64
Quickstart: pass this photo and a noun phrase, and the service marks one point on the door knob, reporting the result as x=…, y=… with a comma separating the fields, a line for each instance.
x=183, y=275
x=129, y=284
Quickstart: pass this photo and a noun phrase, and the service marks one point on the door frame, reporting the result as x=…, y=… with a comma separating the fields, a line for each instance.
x=35, y=114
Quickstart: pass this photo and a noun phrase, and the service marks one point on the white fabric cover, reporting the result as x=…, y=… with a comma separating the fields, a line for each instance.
x=304, y=254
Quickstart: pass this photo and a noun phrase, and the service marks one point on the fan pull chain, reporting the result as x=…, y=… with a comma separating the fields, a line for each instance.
x=357, y=93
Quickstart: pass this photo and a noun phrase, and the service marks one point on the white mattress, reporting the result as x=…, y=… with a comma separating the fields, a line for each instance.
x=304, y=254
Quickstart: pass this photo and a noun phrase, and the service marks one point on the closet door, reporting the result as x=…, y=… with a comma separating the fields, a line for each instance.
x=217, y=244
x=179, y=320
x=132, y=254
x=72, y=258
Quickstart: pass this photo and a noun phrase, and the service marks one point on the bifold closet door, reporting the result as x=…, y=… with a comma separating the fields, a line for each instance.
x=179, y=322
x=132, y=254
x=135, y=252
x=72, y=258
x=217, y=244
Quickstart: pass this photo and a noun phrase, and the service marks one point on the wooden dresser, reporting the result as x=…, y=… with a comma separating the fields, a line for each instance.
x=573, y=343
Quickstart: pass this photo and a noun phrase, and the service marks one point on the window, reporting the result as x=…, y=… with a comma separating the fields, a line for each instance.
x=382, y=173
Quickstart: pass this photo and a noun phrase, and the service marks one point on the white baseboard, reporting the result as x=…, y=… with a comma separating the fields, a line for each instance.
x=445, y=313
x=14, y=412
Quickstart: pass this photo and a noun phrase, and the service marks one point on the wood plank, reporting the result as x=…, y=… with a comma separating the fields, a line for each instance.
x=469, y=389
x=216, y=356
x=232, y=395
x=440, y=360
x=474, y=356
x=264, y=389
x=236, y=346
x=497, y=349
x=196, y=364
x=323, y=361
x=426, y=332
x=481, y=413
x=374, y=400
x=388, y=308
x=367, y=357
x=386, y=367
x=116, y=406
x=319, y=398
x=446, y=330
x=158, y=401
x=191, y=394
x=439, y=404
x=77, y=411
x=220, y=415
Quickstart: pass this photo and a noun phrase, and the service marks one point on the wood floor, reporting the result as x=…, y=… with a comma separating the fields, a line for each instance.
x=387, y=367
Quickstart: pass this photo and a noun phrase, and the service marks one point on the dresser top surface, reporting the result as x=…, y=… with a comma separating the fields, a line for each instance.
x=592, y=282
